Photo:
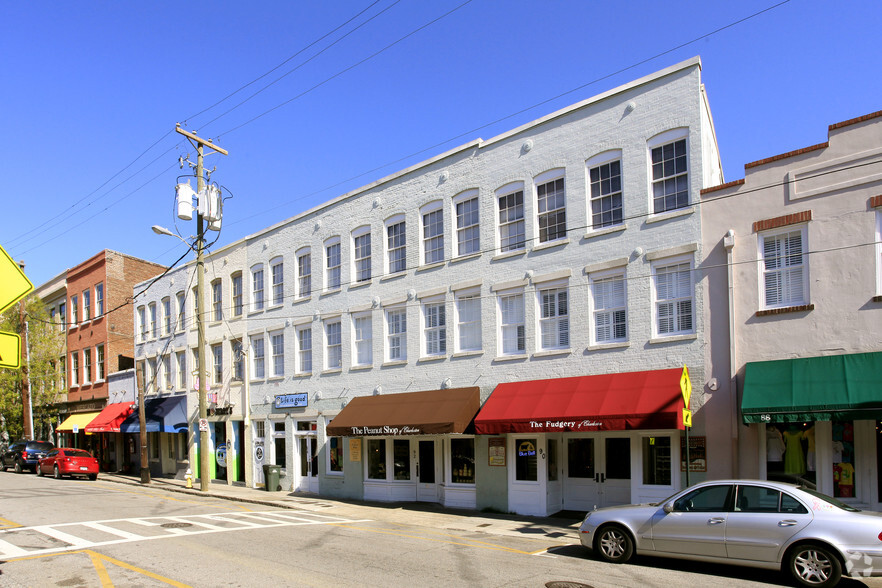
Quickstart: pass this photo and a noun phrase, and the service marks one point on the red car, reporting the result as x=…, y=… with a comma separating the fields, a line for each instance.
x=67, y=461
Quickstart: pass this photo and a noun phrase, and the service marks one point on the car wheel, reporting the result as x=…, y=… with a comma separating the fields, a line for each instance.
x=56, y=473
x=93, y=476
x=39, y=471
x=18, y=468
x=613, y=544
x=814, y=565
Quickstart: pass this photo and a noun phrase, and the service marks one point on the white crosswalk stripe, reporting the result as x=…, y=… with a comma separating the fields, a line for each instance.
x=19, y=541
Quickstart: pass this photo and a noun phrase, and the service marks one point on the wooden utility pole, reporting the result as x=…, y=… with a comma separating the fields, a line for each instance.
x=142, y=424
x=26, y=414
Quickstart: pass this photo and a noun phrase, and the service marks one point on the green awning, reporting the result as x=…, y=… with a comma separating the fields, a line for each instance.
x=830, y=388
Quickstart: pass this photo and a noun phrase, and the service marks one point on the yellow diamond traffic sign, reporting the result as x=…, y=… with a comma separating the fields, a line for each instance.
x=685, y=386
x=10, y=350
x=14, y=285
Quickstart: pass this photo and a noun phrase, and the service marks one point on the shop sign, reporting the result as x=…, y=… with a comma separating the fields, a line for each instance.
x=300, y=400
x=526, y=449
x=355, y=450
x=551, y=426
x=220, y=455
x=497, y=451
x=386, y=430
x=697, y=454
x=258, y=451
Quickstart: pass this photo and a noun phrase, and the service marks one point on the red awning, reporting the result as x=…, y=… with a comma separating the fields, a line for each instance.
x=109, y=419
x=608, y=402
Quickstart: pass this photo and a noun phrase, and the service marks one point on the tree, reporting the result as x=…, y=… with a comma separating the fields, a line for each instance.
x=46, y=344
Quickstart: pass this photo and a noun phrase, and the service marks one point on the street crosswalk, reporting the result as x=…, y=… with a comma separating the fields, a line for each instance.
x=45, y=539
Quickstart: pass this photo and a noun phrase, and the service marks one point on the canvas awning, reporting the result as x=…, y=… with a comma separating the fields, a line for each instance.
x=109, y=419
x=410, y=413
x=828, y=388
x=78, y=420
x=163, y=415
x=608, y=402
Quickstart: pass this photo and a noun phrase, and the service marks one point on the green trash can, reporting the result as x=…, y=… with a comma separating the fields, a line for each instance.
x=271, y=475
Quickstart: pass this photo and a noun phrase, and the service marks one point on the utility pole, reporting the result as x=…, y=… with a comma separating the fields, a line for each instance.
x=201, y=309
x=27, y=414
x=142, y=423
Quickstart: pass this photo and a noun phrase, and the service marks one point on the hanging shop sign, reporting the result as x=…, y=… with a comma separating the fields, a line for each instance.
x=496, y=451
x=300, y=400
x=355, y=450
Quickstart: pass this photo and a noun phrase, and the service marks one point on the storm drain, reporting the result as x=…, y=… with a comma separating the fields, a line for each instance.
x=566, y=584
x=175, y=525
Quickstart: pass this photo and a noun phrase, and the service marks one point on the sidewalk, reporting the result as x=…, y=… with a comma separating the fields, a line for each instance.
x=562, y=530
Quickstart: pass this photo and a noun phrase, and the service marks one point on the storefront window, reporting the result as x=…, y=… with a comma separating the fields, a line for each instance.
x=843, y=460
x=525, y=460
x=580, y=458
x=401, y=454
x=462, y=461
x=335, y=454
x=618, y=458
x=279, y=442
x=790, y=452
x=376, y=449
x=551, y=448
x=657, y=461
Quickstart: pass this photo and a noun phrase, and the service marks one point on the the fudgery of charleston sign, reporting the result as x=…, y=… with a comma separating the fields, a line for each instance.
x=561, y=425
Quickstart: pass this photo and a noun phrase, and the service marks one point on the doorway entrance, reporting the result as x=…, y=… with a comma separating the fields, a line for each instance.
x=598, y=472
x=428, y=460
x=307, y=457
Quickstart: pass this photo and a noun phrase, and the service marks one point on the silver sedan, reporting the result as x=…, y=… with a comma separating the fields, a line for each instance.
x=762, y=524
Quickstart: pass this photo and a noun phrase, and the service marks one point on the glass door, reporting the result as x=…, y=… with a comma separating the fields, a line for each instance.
x=427, y=470
x=597, y=472
x=307, y=458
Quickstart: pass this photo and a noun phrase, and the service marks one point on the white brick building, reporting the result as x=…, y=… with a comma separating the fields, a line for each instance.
x=564, y=248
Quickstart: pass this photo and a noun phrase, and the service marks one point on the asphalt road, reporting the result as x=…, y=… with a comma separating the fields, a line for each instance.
x=74, y=533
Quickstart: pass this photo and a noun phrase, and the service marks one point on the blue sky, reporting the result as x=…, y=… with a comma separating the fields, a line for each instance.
x=91, y=93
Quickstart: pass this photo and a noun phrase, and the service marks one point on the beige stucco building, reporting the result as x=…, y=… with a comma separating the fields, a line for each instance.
x=791, y=269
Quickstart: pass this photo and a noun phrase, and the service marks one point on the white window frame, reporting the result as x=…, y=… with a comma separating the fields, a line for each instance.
x=333, y=329
x=304, y=272
x=434, y=327
x=510, y=322
x=87, y=366
x=237, y=294
x=99, y=299
x=541, y=184
x=362, y=339
x=339, y=441
x=793, y=276
x=277, y=277
x=151, y=313
x=432, y=234
x=660, y=141
x=469, y=332
x=304, y=348
x=217, y=363
x=142, y=323
x=74, y=310
x=333, y=273
x=181, y=360
x=467, y=223
x=557, y=325
x=100, y=372
x=167, y=374
x=237, y=352
x=258, y=288
x=396, y=333
x=361, y=255
x=395, y=246
x=182, y=311
x=277, y=354
x=681, y=265
x=87, y=305
x=608, y=299
x=257, y=343
x=217, y=300
x=602, y=191
x=167, y=316
x=74, y=369
x=511, y=230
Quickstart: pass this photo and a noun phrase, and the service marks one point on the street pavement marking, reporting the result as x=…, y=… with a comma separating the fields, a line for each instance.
x=8, y=524
x=101, y=558
x=65, y=532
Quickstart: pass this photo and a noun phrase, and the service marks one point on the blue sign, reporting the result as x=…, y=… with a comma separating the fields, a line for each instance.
x=291, y=400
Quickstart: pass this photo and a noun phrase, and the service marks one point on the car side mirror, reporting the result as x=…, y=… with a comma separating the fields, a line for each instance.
x=668, y=507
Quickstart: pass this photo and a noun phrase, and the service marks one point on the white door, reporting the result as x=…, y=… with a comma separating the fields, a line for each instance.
x=307, y=463
x=428, y=470
x=597, y=471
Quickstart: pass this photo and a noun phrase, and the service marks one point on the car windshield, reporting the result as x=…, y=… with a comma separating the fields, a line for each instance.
x=830, y=499
x=77, y=453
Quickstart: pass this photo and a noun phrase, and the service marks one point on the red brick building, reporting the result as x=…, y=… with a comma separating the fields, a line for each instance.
x=100, y=333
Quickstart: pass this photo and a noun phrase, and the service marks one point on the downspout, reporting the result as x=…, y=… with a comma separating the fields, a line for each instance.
x=729, y=244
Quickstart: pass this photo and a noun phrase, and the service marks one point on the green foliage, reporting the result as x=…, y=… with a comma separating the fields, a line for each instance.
x=46, y=344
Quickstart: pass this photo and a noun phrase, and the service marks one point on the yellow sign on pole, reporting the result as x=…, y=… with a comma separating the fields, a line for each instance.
x=10, y=350
x=685, y=386
x=14, y=285
x=687, y=417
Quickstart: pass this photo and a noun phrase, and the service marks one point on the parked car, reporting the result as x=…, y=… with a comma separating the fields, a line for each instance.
x=24, y=454
x=67, y=461
x=762, y=524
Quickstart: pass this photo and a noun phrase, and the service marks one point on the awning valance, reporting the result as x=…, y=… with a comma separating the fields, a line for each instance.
x=608, y=402
x=410, y=413
x=79, y=419
x=109, y=419
x=163, y=415
x=828, y=388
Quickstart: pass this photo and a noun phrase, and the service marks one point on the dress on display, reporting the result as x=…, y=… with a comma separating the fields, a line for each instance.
x=794, y=458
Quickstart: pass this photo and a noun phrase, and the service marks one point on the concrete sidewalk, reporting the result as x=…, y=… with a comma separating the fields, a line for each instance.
x=560, y=531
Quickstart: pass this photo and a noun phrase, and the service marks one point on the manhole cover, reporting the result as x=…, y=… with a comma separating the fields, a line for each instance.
x=175, y=525
x=566, y=584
